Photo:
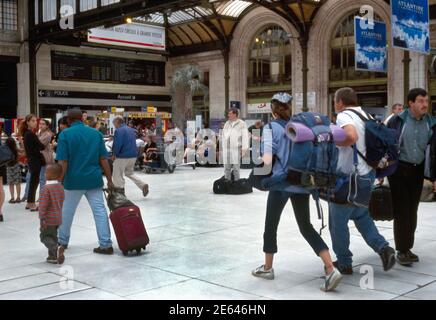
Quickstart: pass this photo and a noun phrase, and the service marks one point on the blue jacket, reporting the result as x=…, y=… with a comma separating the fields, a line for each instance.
x=124, y=146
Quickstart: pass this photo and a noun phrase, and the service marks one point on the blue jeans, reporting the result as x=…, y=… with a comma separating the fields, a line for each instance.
x=26, y=191
x=96, y=202
x=339, y=216
x=42, y=179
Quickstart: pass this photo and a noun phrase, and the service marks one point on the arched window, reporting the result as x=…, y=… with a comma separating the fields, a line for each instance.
x=270, y=58
x=343, y=52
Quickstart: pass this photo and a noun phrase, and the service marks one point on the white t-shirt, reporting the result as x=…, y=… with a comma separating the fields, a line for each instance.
x=346, y=160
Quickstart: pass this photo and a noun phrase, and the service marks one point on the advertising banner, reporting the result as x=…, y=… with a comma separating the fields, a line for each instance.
x=130, y=35
x=410, y=25
x=371, y=45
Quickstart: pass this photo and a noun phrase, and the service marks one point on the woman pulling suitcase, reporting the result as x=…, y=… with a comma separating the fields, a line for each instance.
x=277, y=146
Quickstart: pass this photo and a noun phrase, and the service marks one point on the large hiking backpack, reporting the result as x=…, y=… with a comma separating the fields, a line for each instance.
x=313, y=160
x=382, y=146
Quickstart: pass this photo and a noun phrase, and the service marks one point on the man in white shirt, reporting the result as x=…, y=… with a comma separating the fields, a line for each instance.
x=235, y=144
x=340, y=215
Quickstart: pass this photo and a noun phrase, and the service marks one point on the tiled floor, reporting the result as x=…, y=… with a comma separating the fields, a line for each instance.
x=203, y=246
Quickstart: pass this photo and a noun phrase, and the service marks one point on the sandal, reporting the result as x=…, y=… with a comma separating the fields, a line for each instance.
x=12, y=201
x=35, y=209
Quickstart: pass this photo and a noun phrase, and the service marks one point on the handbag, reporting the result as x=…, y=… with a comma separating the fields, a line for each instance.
x=116, y=199
x=380, y=205
x=6, y=155
x=354, y=190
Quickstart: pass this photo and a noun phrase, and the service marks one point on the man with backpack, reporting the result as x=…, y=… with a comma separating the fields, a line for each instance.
x=417, y=132
x=349, y=118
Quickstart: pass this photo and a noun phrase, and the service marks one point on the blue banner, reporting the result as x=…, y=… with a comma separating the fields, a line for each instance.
x=410, y=25
x=371, y=50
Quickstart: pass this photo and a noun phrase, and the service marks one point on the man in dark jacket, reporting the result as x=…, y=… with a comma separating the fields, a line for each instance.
x=417, y=132
x=125, y=154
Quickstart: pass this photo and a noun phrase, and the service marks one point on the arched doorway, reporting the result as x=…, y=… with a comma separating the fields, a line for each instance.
x=269, y=69
x=371, y=87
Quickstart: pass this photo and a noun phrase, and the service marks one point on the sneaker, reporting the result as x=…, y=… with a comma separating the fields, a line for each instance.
x=107, y=251
x=387, y=256
x=52, y=260
x=61, y=257
x=412, y=257
x=404, y=259
x=343, y=270
x=332, y=281
x=260, y=272
x=145, y=190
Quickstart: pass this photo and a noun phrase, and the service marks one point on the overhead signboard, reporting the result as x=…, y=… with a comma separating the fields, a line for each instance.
x=411, y=25
x=371, y=50
x=69, y=66
x=130, y=35
x=259, y=108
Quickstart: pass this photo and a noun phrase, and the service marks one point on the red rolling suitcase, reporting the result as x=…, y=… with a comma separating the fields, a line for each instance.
x=129, y=229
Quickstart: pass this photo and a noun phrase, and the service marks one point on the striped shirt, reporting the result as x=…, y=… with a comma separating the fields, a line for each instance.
x=50, y=203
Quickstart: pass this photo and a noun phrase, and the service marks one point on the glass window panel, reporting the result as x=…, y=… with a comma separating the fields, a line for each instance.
x=8, y=15
x=48, y=10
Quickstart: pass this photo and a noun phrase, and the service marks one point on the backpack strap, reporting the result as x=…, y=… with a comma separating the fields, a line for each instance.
x=360, y=115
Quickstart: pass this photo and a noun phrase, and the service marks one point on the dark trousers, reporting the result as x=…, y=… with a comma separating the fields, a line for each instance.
x=35, y=171
x=406, y=188
x=49, y=237
x=300, y=202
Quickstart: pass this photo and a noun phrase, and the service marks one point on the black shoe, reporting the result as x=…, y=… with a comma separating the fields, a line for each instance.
x=412, y=257
x=145, y=190
x=1, y=218
x=388, y=258
x=343, y=270
x=107, y=251
x=404, y=259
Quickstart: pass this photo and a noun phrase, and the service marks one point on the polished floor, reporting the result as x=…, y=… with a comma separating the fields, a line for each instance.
x=203, y=246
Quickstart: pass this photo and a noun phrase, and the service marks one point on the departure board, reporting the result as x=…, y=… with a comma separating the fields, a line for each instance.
x=69, y=66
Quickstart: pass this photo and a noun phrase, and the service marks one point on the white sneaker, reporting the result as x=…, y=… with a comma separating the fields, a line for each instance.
x=332, y=281
x=260, y=272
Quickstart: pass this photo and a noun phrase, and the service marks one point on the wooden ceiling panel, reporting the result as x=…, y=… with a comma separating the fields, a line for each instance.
x=193, y=35
x=201, y=31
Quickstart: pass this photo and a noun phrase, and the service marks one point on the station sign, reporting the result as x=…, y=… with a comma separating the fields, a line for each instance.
x=134, y=35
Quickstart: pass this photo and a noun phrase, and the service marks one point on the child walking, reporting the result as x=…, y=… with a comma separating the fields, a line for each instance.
x=50, y=213
x=13, y=172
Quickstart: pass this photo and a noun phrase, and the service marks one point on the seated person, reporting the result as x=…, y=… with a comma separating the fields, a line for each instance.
x=150, y=149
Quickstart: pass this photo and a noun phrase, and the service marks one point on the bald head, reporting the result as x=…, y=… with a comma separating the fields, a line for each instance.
x=74, y=115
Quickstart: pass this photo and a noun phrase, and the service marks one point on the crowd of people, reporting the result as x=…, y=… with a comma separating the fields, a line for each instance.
x=69, y=165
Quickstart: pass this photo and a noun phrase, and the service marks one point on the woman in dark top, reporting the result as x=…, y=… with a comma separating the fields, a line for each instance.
x=33, y=148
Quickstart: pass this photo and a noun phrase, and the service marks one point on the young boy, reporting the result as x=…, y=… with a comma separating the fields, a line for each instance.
x=50, y=213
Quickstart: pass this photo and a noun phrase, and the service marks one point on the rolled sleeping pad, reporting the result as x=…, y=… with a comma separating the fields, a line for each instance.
x=298, y=132
x=338, y=133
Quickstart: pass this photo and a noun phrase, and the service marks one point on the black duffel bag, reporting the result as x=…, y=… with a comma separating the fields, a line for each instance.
x=220, y=186
x=241, y=186
x=380, y=204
